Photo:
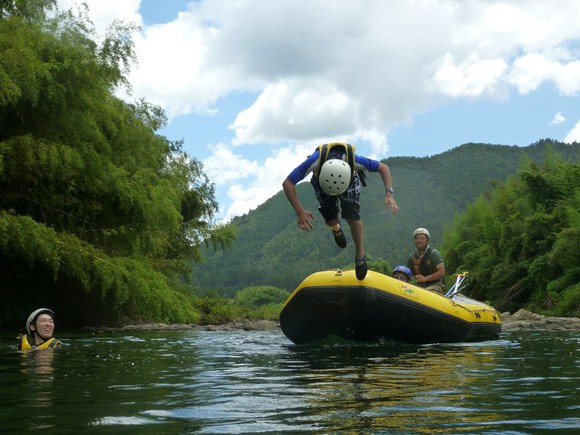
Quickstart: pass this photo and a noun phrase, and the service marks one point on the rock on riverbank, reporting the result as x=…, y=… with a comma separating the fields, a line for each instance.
x=246, y=325
x=522, y=320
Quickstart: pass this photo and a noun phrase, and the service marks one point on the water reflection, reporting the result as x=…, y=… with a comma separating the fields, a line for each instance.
x=37, y=366
x=38, y=363
x=244, y=382
x=385, y=387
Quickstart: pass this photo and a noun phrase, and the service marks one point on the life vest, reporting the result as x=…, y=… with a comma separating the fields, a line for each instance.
x=24, y=344
x=423, y=266
x=324, y=151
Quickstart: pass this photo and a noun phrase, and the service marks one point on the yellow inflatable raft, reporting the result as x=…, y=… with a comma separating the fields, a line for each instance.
x=335, y=303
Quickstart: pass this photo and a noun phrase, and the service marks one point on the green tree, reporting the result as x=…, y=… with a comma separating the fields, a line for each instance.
x=519, y=241
x=257, y=296
x=95, y=207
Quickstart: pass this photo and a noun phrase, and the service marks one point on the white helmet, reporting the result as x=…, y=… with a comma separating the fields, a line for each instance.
x=334, y=176
x=32, y=318
x=421, y=231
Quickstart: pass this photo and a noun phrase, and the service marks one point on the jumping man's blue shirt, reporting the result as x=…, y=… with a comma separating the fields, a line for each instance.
x=308, y=165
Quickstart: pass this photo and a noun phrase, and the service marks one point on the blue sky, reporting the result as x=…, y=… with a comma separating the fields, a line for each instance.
x=251, y=87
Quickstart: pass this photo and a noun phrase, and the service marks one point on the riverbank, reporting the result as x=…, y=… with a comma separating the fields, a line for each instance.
x=522, y=320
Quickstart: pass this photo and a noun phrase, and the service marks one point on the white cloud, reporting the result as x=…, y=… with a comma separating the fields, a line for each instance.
x=574, y=134
x=567, y=78
x=529, y=71
x=309, y=59
x=172, y=70
x=103, y=12
x=341, y=70
x=472, y=78
x=223, y=166
x=558, y=119
x=533, y=69
x=296, y=111
x=264, y=180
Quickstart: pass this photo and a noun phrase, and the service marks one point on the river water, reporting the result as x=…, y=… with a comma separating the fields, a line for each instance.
x=259, y=382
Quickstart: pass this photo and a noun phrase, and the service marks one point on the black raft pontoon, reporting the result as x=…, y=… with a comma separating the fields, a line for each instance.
x=335, y=303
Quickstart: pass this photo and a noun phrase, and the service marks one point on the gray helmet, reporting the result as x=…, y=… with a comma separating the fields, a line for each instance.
x=335, y=176
x=422, y=231
x=34, y=315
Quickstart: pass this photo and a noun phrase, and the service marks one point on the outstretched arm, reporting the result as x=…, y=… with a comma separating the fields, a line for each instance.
x=388, y=182
x=303, y=216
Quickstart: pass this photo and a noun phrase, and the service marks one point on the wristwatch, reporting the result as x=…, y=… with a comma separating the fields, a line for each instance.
x=389, y=189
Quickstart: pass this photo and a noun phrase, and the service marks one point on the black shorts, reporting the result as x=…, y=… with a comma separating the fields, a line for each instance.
x=349, y=201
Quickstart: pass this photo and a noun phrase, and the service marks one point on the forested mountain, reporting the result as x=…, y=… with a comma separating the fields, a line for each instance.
x=430, y=191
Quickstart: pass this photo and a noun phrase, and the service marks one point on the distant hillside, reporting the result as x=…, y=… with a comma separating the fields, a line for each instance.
x=270, y=250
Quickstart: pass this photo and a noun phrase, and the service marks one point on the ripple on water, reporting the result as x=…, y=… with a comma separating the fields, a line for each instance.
x=255, y=381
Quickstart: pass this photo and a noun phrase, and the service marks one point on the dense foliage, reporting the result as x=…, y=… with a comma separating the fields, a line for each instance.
x=521, y=240
x=99, y=216
x=261, y=295
x=430, y=191
x=251, y=303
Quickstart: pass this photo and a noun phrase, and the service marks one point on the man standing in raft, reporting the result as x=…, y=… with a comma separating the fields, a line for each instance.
x=335, y=179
